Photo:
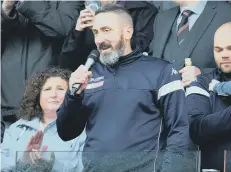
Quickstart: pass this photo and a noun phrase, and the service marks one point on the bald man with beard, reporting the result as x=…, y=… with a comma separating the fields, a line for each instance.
x=210, y=113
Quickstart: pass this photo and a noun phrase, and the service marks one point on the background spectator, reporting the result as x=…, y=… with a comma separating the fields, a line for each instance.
x=210, y=113
x=163, y=5
x=178, y=36
x=36, y=130
x=81, y=40
x=32, y=36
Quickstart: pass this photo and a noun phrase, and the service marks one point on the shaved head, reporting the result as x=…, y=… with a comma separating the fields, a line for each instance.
x=222, y=47
x=223, y=32
x=123, y=15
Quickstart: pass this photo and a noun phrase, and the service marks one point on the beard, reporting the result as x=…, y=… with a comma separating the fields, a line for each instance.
x=224, y=69
x=112, y=57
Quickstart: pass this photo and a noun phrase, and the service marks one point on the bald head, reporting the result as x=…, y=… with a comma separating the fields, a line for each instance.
x=223, y=34
x=226, y=25
x=222, y=47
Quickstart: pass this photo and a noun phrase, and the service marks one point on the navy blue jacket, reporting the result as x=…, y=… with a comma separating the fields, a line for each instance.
x=139, y=104
x=210, y=124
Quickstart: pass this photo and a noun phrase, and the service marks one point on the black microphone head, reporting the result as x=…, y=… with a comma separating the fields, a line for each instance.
x=94, y=55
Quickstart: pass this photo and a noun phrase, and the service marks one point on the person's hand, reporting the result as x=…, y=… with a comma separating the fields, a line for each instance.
x=188, y=74
x=7, y=6
x=85, y=19
x=32, y=152
x=80, y=76
x=212, y=84
x=33, y=156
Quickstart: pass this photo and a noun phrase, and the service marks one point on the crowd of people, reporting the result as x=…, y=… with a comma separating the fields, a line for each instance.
x=162, y=82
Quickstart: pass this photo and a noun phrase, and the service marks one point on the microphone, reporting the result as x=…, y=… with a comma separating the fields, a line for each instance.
x=91, y=59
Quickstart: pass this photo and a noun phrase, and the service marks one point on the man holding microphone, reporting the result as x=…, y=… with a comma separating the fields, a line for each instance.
x=80, y=40
x=127, y=102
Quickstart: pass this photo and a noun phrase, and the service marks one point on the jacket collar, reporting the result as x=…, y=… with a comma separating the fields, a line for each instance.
x=225, y=76
x=221, y=76
x=196, y=9
x=33, y=124
x=131, y=57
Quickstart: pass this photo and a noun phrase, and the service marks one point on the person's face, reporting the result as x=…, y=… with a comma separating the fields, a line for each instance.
x=109, y=37
x=52, y=94
x=222, y=50
x=185, y=2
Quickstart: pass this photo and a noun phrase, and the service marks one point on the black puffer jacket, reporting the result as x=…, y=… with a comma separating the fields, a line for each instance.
x=78, y=44
x=32, y=37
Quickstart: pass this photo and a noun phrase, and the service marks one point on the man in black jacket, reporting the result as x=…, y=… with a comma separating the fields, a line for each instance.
x=210, y=113
x=81, y=40
x=32, y=37
x=134, y=102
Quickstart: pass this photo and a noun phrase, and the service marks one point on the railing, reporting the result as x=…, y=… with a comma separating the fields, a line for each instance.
x=227, y=161
x=146, y=161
